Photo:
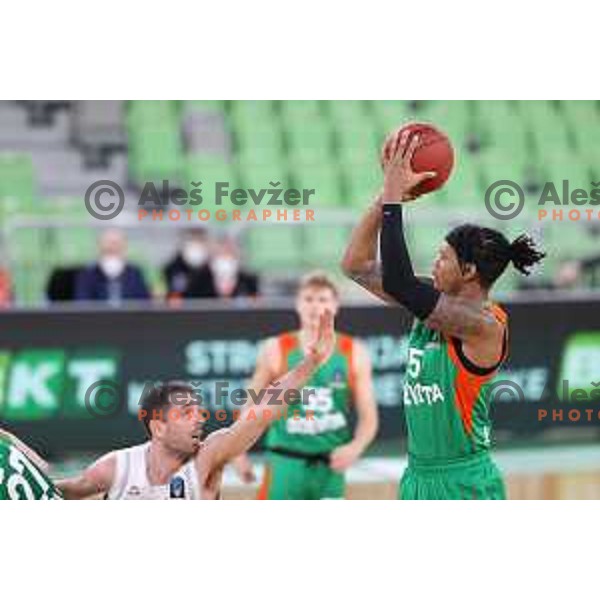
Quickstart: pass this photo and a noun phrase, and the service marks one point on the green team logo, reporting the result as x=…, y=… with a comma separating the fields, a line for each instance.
x=322, y=416
x=580, y=364
x=45, y=383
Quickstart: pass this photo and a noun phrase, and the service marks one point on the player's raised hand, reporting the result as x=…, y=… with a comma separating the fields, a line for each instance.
x=321, y=342
x=400, y=180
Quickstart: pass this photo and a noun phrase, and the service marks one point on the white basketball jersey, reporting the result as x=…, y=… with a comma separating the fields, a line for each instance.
x=131, y=479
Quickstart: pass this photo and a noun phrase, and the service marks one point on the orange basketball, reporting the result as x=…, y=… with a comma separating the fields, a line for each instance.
x=434, y=153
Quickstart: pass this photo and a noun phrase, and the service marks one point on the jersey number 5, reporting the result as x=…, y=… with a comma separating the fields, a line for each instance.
x=414, y=362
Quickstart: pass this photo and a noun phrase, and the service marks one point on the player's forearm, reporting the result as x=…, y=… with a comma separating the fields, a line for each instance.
x=398, y=277
x=241, y=436
x=362, y=247
x=78, y=488
x=360, y=262
x=366, y=430
x=292, y=380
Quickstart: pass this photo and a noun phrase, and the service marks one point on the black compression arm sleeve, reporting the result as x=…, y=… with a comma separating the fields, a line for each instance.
x=399, y=279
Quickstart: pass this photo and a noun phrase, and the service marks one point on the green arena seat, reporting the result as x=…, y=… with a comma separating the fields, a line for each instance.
x=74, y=245
x=261, y=175
x=150, y=113
x=324, y=245
x=259, y=142
x=273, y=247
x=388, y=114
x=207, y=105
x=452, y=117
x=424, y=239
x=309, y=141
x=300, y=110
x=498, y=125
x=324, y=179
x=465, y=187
x=248, y=113
x=362, y=181
x=344, y=113
x=359, y=142
x=210, y=171
x=17, y=182
x=156, y=154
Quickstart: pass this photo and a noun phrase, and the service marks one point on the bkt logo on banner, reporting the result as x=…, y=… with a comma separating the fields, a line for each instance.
x=46, y=383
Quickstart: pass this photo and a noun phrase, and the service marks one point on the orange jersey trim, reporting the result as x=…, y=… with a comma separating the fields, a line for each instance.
x=263, y=491
x=288, y=342
x=467, y=385
x=346, y=348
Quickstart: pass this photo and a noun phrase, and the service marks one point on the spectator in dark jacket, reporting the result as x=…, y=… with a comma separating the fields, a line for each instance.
x=191, y=263
x=225, y=277
x=111, y=278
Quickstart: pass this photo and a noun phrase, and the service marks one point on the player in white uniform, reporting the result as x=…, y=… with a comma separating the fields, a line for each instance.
x=179, y=461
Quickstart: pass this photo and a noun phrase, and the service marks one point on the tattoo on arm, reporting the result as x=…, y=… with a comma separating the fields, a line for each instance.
x=459, y=318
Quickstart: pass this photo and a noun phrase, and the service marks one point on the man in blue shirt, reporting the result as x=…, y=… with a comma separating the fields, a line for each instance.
x=111, y=278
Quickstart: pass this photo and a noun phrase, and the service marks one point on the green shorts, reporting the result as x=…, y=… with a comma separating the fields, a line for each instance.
x=472, y=478
x=292, y=478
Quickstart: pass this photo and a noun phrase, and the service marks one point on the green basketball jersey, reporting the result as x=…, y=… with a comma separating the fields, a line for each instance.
x=446, y=397
x=321, y=421
x=20, y=479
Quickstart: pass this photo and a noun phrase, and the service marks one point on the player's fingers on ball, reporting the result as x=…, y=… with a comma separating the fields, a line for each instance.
x=412, y=147
x=395, y=139
x=402, y=141
x=394, y=147
x=426, y=175
x=386, y=149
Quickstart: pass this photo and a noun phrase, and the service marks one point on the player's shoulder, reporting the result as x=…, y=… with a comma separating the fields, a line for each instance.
x=282, y=343
x=354, y=348
x=112, y=459
x=270, y=347
x=349, y=343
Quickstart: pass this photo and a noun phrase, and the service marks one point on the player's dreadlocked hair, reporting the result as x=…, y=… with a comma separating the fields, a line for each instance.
x=491, y=252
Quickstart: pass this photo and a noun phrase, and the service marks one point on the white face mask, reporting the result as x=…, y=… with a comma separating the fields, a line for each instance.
x=195, y=255
x=225, y=267
x=112, y=266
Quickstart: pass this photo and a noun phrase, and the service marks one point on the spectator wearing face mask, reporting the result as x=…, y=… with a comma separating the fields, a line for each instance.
x=190, y=263
x=111, y=279
x=227, y=278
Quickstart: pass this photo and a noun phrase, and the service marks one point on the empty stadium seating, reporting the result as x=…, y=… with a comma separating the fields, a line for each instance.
x=51, y=151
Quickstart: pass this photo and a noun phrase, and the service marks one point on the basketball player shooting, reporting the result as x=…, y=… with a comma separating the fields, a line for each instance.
x=459, y=338
x=179, y=461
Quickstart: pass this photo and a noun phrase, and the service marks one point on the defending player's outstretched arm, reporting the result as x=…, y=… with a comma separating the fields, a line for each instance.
x=224, y=445
x=95, y=480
